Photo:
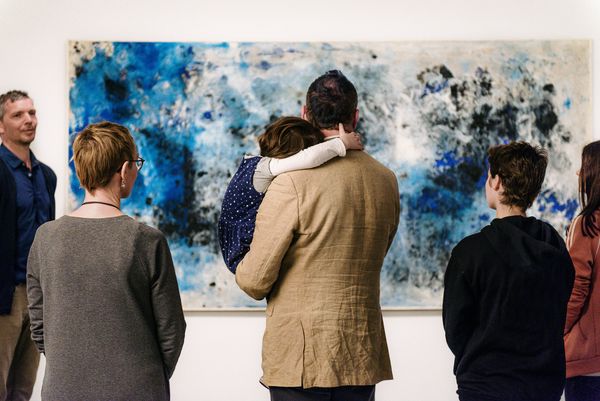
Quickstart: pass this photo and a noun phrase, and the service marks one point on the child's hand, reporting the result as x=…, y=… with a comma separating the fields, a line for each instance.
x=351, y=140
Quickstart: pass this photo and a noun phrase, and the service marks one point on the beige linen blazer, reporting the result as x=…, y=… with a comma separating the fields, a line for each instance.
x=320, y=239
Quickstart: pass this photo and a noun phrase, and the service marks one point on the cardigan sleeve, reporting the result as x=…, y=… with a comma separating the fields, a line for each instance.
x=583, y=251
x=35, y=296
x=166, y=304
x=459, y=311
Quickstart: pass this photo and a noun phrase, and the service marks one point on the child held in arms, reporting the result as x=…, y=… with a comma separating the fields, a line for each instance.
x=506, y=290
x=288, y=144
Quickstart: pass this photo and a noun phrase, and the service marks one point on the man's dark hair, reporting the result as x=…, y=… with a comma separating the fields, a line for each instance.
x=287, y=136
x=11, y=96
x=331, y=99
x=522, y=169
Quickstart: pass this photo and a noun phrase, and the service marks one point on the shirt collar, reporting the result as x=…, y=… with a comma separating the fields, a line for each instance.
x=13, y=161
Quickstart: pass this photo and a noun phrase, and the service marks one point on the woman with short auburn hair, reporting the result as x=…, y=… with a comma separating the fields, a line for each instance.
x=103, y=296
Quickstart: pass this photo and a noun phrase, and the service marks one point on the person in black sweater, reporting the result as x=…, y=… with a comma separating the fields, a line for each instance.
x=506, y=291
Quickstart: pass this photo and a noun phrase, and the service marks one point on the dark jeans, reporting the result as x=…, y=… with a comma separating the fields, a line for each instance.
x=582, y=388
x=345, y=393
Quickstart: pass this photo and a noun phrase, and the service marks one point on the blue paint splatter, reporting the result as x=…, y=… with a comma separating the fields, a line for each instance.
x=434, y=87
x=550, y=202
x=264, y=65
x=448, y=159
x=482, y=179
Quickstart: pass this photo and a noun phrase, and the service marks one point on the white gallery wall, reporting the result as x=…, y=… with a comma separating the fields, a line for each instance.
x=221, y=357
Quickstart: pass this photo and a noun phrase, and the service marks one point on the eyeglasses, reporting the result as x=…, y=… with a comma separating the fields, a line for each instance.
x=139, y=162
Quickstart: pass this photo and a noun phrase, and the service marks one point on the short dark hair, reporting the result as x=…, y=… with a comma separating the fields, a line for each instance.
x=331, y=99
x=11, y=96
x=589, y=188
x=287, y=136
x=522, y=168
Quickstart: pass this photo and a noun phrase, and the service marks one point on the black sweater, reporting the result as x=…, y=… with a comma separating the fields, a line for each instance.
x=505, y=298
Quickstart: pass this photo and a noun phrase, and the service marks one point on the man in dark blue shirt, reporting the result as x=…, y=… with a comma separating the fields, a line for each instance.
x=26, y=202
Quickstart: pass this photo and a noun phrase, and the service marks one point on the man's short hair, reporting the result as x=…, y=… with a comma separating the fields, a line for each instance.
x=331, y=99
x=522, y=168
x=99, y=151
x=11, y=96
x=287, y=136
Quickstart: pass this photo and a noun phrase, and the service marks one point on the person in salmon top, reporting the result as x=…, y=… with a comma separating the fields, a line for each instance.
x=582, y=329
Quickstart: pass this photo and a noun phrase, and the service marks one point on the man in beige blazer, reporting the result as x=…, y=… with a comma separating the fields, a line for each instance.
x=320, y=239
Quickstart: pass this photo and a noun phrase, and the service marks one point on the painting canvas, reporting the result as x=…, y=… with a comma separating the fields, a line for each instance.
x=428, y=110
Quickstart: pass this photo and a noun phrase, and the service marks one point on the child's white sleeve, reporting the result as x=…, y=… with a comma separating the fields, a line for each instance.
x=262, y=175
x=310, y=157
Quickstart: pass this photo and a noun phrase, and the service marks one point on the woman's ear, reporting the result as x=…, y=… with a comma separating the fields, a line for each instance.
x=123, y=172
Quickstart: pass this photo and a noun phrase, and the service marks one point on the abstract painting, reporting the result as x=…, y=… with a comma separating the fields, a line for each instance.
x=428, y=110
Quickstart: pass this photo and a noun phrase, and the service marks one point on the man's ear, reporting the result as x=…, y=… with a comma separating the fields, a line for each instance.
x=496, y=182
x=303, y=113
x=355, y=122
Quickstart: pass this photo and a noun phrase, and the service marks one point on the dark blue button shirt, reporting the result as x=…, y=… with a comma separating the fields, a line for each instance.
x=33, y=205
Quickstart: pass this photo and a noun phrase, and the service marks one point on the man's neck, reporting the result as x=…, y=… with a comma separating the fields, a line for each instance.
x=22, y=152
x=334, y=132
x=507, y=211
x=330, y=132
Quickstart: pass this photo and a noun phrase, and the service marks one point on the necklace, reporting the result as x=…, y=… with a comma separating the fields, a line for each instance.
x=101, y=203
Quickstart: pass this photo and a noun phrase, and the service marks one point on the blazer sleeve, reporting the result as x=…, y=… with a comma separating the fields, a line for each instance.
x=396, y=212
x=166, y=305
x=459, y=311
x=582, y=250
x=35, y=296
x=276, y=223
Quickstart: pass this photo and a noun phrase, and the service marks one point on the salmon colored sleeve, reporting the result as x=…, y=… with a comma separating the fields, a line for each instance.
x=583, y=251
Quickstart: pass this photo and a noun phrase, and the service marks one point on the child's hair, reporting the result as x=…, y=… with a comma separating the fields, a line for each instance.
x=521, y=168
x=287, y=136
x=589, y=188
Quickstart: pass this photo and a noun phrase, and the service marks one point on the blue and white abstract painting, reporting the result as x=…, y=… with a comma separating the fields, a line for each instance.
x=429, y=111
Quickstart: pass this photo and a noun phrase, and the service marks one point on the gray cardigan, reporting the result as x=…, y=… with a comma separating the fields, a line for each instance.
x=105, y=309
